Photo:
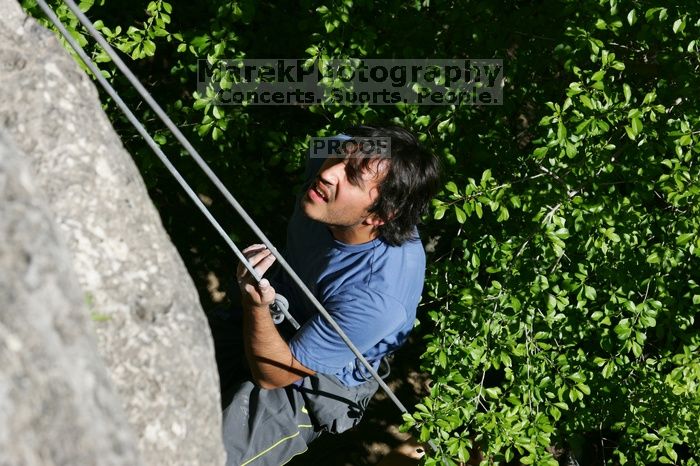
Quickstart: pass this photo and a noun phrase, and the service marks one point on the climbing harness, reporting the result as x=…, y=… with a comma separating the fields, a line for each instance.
x=280, y=307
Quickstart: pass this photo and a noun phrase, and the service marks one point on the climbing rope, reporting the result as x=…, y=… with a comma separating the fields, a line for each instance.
x=279, y=308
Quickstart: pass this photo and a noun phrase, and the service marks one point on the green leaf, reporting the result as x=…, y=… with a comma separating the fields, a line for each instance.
x=586, y=101
x=617, y=65
x=554, y=411
x=461, y=216
x=608, y=370
x=149, y=47
x=637, y=126
x=423, y=120
x=503, y=214
x=590, y=292
x=678, y=25
x=684, y=238
x=647, y=321
x=442, y=359
x=583, y=125
x=623, y=329
x=440, y=212
x=598, y=75
x=85, y=5
x=628, y=92
x=160, y=139
x=610, y=234
x=443, y=126
x=204, y=129
x=561, y=132
x=540, y=152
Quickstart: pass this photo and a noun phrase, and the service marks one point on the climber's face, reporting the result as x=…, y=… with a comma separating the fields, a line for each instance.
x=341, y=195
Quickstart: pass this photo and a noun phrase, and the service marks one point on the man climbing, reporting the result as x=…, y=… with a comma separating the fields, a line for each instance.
x=353, y=240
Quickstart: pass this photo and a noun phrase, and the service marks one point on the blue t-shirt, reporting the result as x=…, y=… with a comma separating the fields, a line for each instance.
x=371, y=290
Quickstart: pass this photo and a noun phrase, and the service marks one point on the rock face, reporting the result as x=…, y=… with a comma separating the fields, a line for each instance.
x=57, y=403
x=151, y=331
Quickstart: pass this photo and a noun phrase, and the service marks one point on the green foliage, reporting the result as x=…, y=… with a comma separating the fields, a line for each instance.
x=569, y=293
x=562, y=293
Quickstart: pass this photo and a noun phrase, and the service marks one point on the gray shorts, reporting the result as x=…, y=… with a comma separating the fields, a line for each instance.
x=269, y=427
x=266, y=427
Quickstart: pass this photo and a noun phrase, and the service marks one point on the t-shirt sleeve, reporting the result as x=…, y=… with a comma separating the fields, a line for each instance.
x=364, y=315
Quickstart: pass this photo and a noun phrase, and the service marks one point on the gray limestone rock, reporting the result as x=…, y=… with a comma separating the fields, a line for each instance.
x=57, y=403
x=151, y=330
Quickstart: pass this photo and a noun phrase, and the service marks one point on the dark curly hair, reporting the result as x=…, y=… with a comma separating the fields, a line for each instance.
x=411, y=180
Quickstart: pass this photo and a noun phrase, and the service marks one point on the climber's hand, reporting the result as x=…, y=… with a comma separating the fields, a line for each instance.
x=256, y=294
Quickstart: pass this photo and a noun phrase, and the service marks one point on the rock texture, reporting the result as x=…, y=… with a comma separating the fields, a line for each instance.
x=151, y=330
x=57, y=403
